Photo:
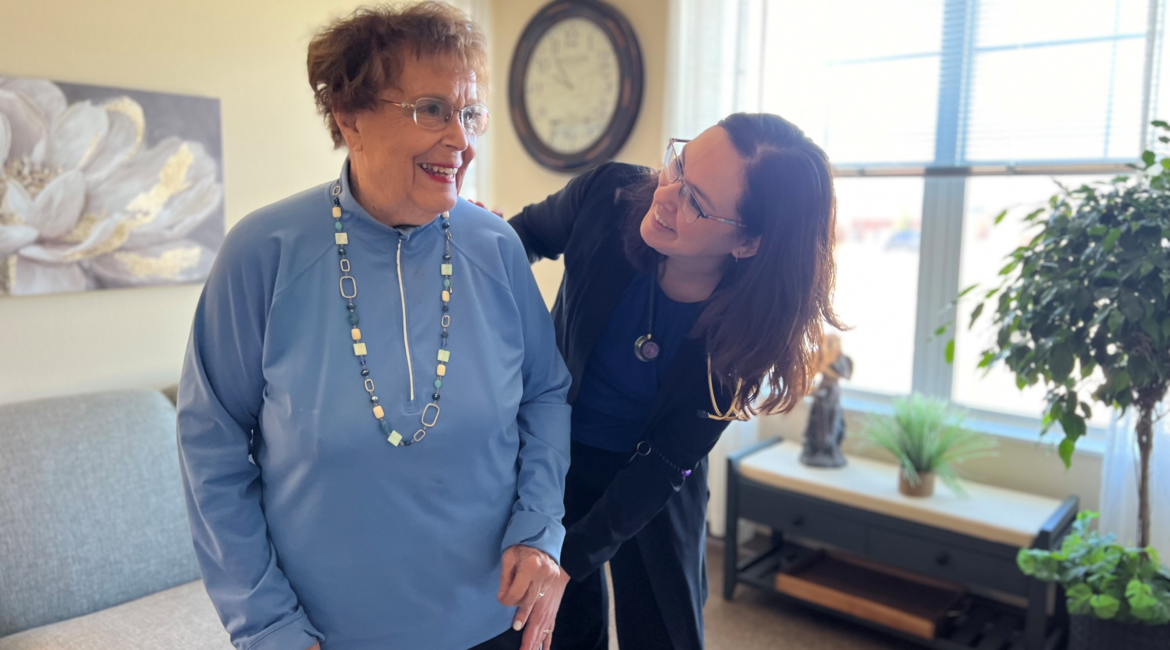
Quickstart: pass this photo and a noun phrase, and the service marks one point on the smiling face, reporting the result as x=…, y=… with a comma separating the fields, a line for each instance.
x=402, y=173
x=715, y=172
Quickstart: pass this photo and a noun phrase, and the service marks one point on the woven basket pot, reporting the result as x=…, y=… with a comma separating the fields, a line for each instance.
x=1091, y=633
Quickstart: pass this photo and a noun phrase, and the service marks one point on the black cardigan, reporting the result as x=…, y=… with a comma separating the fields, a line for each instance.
x=583, y=221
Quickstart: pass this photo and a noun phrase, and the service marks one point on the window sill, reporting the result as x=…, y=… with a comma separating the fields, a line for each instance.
x=1002, y=425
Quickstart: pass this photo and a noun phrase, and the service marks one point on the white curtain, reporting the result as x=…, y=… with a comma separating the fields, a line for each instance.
x=1119, y=481
x=713, y=65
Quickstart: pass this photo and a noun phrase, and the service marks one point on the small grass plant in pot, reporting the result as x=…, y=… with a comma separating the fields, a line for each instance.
x=928, y=440
x=1084, y=308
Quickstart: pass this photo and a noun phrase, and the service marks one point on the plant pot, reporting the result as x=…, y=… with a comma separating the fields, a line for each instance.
x=924, y=488
x=1091, y=633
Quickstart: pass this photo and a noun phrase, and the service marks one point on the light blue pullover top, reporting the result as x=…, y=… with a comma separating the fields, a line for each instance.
x=307, y=523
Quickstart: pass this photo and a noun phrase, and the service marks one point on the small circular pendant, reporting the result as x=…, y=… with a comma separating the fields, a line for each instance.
x=646, y=349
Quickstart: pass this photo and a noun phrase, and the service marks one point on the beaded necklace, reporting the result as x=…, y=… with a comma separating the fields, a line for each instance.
x=348, y=286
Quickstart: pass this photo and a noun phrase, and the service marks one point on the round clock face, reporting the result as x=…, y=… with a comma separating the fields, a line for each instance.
x=571, y=85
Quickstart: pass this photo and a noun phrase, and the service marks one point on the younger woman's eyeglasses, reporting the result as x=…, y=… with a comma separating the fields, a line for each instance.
x=673, y=167
x=434, y=114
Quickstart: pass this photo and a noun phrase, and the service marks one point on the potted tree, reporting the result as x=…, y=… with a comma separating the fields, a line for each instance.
x=928, y=440
x=1090, y=291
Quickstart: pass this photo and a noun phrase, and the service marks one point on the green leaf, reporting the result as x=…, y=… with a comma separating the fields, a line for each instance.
x=1139, y=594
x=1160, y=124
x=1011, y=266
x=1148, y=158
x=1104, y=606
x=1061, y=362
x=1116, y=320
x=1119, y=382
x=975, y=315
x=999, y=217
x=950, y=353
x=1131, y=306
x=1111, y=239
x=1067, y=447
x=967, y=291
x=1073, y=424
x=1078, y=599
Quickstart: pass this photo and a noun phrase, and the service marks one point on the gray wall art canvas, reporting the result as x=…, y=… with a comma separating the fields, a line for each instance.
x=106, y=188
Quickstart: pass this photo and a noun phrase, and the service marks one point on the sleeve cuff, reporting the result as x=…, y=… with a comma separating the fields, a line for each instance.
x=536, y=530
x=295, y=633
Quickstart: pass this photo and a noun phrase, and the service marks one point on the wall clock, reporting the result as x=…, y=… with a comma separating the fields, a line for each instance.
x=575, y=85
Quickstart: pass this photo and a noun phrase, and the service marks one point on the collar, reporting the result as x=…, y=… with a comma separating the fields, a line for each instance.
x=349, y=204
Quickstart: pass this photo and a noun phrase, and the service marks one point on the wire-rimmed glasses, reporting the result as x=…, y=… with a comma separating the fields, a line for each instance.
x=673, y=168
x=435, y=113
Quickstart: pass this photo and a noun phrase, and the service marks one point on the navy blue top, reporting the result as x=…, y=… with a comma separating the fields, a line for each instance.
x=618, y=390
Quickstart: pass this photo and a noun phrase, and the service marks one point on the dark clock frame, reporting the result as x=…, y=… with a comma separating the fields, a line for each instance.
x=629, y=57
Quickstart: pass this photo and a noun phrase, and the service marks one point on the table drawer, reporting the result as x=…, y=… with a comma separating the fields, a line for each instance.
x=946, y=562
x=801, y=517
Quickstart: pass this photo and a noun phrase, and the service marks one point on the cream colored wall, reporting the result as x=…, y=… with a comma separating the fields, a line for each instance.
x=251, y=56
x=517, y=179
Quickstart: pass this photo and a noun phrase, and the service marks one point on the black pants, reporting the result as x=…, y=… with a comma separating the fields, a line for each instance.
x=583, y=620
x=509, y=640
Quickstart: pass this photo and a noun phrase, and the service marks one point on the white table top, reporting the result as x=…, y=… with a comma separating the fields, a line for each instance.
x=987, y=512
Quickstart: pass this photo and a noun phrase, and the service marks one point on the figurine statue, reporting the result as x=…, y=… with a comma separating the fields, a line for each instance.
x=826, y=423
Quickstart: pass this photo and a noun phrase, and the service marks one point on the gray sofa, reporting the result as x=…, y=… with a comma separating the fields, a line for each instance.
x=95, y=548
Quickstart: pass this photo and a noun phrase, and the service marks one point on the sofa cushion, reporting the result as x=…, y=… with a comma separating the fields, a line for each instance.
x=91, y=506
x=181, y=618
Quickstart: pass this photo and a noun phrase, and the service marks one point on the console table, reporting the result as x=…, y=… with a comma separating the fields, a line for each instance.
x=972, y=541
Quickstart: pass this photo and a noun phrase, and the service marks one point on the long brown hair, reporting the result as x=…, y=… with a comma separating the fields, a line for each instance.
x=764, y=324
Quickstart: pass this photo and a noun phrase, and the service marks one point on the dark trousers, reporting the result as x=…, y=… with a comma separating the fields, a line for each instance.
x=640, y=621
x=509, y=640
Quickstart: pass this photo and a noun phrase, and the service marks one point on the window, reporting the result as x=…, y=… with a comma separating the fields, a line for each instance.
x=937, y=114
x=985, y=247
x=878, y=230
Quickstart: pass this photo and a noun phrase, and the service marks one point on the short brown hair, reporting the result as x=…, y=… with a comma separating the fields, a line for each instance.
x=352, y=60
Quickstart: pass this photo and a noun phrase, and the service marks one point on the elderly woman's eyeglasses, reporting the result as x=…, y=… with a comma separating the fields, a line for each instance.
x=673, y=168
x=434, y=114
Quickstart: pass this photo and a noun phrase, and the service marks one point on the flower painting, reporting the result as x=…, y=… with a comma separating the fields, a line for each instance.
x=106, y=188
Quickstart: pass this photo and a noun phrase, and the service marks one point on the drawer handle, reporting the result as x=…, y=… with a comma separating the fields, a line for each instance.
x=798, y=520
x=942, y=559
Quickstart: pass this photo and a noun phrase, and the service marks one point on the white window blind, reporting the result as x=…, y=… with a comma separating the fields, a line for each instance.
x=1056, y=81
x=860, y=77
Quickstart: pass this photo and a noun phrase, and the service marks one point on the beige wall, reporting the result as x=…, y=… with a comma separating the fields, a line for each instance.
x=517, y=179
x=251, y=56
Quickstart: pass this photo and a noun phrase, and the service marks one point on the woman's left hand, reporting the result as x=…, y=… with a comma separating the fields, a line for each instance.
x=527, y=576
x=543, y=619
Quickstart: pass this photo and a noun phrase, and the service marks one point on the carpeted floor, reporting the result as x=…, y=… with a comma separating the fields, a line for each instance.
x=755, y=620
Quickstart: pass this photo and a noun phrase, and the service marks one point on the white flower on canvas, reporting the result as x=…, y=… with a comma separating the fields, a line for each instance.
x=83, y=205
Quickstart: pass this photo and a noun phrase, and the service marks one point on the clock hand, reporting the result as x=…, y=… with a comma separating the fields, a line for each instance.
x=564, y=77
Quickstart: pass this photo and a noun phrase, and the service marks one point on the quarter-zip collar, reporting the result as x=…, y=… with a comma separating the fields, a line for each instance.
x=401, y=238
x=350, y=204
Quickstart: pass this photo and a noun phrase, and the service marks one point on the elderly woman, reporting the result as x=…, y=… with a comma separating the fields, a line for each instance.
x=372, y=421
